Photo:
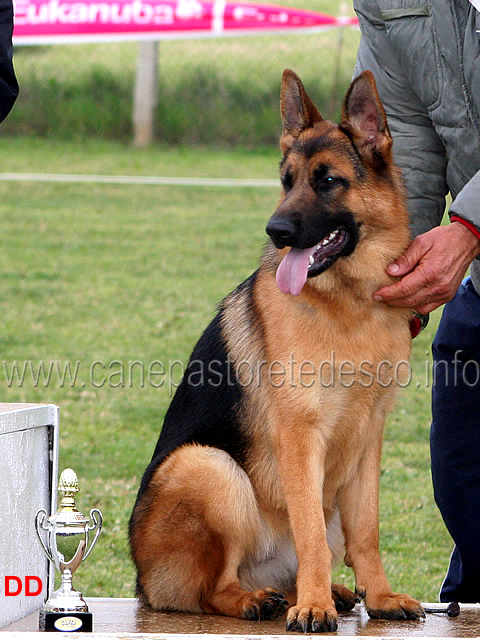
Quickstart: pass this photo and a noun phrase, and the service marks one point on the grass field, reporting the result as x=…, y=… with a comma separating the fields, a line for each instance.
x=102, y=276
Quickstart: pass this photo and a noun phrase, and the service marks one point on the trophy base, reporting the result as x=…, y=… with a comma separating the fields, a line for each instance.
x=65, y=621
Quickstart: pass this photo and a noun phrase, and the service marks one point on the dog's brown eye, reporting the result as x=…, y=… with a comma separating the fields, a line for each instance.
x=324, y=181
x=287, y=180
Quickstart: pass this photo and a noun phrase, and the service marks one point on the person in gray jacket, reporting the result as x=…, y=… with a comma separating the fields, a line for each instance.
x=425, y=56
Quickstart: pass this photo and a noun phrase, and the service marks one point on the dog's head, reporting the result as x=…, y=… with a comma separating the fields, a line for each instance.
x=339, y=184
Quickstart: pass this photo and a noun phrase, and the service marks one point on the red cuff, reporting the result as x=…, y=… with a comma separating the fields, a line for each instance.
x=469, y=225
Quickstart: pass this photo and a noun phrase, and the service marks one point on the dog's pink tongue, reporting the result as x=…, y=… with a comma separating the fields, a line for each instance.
x=292, y=271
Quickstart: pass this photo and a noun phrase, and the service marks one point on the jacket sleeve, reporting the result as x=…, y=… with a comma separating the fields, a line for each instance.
x=8, y=81
x=467, y=203
x=417, y=149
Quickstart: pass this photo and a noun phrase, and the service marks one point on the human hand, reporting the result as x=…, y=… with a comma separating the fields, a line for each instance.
x=432, y=267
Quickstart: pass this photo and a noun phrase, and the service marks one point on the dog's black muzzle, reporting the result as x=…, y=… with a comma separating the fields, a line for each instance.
x=282, y=231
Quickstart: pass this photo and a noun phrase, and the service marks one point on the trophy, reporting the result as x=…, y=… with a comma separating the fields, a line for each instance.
x=66, y=546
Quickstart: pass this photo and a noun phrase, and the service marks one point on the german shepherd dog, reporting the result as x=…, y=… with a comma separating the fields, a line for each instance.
x=267, y=466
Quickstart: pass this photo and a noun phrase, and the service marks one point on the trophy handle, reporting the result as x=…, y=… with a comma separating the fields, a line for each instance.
x=97, y=518
x=39, y=520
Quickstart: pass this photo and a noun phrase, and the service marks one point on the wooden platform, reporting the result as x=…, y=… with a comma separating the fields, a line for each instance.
x=125, y=618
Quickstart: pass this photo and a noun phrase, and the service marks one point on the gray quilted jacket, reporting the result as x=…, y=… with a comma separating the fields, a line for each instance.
x=425, y=56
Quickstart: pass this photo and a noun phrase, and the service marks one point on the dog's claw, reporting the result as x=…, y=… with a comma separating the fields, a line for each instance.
x=360, y=592
x=290, y=625
x=274, y=606
x=311, y=620
x=265, y=605
x=324, y=626
x=397, y=606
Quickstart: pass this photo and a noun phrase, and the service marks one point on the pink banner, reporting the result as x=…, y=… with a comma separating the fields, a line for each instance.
x=64, y=21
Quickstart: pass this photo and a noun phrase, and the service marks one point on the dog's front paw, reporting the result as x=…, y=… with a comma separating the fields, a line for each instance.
x=311, y=619
x=394, y=606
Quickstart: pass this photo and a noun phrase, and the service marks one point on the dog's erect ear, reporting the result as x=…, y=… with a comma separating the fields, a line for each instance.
x=365, y=122
x=298, y=111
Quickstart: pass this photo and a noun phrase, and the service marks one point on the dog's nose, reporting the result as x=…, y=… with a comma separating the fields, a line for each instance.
x=282, y=231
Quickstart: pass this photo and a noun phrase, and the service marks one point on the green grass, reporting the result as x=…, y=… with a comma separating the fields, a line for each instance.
x=108, y=273
x=208, y=89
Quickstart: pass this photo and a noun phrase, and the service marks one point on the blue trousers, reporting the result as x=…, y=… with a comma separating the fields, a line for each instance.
x=455, y=439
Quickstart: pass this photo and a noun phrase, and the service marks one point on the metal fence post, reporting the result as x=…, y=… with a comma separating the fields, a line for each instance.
x=145, y=94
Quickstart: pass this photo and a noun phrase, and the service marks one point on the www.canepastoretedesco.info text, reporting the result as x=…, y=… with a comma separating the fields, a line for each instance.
x=118, y=373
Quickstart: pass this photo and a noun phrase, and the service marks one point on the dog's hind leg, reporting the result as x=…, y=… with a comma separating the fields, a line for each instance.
x=343, y=598
x=196, y=524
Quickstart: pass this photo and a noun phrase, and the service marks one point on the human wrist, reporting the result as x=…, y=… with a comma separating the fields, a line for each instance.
x=467, y=225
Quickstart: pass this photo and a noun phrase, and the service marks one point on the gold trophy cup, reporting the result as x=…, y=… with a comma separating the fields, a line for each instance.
x=65, y=543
